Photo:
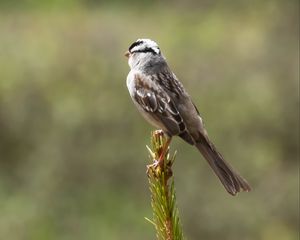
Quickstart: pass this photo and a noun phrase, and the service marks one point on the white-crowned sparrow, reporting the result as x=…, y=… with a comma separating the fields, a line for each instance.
x=164, y=102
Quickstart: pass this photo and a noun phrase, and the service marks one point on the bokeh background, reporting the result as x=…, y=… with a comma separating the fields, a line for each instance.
x=72, y=145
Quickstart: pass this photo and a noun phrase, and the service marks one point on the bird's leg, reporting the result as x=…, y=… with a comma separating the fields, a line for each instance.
x=164, y=150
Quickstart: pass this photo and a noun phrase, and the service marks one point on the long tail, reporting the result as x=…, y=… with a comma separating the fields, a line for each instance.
x=231, y=180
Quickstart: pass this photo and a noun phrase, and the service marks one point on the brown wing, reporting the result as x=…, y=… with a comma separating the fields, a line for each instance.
x=156, y=102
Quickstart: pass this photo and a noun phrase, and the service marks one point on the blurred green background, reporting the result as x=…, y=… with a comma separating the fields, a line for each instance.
x=72, y=144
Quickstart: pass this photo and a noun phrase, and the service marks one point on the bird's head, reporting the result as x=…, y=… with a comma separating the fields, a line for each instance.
x=141, y=52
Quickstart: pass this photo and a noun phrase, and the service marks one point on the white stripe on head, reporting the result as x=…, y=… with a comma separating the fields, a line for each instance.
x=141, y=45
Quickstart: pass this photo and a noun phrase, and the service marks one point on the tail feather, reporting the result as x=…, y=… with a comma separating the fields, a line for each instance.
x=231, y=180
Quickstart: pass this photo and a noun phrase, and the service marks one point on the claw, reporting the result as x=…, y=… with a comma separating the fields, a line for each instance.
x=153, y=166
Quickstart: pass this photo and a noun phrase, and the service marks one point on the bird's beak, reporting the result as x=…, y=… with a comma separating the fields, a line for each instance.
x=127, y=54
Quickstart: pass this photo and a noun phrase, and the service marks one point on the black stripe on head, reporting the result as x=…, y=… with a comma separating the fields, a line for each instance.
x=145, y=50
x=137, y=43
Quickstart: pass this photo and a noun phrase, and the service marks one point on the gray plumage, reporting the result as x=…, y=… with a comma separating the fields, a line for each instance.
x=163, y=102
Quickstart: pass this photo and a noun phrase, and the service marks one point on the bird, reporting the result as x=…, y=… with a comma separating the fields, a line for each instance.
x=163, y=101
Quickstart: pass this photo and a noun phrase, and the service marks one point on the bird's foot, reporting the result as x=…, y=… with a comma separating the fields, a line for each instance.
x=154, y=165
x=159, y=163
